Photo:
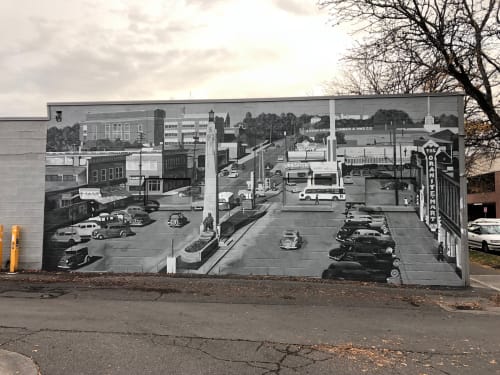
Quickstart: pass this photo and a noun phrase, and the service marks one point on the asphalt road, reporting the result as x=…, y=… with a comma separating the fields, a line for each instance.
x=258, y=252
x=158, y=325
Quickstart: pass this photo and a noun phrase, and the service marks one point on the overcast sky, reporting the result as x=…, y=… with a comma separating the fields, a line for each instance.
x=86, y=50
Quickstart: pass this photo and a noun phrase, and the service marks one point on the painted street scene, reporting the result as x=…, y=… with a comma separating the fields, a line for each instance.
x=351, y=189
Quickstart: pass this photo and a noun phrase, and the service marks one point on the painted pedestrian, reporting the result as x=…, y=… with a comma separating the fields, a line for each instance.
x=440, y=256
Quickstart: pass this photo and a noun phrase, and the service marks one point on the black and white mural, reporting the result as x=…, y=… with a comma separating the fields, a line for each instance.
x=355, y=188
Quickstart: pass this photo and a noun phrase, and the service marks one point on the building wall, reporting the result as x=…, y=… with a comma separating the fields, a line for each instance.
x=125, y=126
x=109, y=170
x=22, y=171
x=27, y=157
x=487, y=198
x=182, y=130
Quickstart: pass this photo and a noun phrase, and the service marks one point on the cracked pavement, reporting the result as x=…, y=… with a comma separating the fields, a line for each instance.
x=227, y=326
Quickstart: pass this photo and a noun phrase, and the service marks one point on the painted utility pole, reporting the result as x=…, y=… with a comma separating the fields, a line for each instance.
x=141, y=139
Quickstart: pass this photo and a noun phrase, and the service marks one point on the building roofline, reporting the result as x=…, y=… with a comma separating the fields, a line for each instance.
x=256, y=99
x=5, y=119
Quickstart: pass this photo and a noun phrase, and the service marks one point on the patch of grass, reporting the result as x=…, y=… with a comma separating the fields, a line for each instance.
x=484, y=259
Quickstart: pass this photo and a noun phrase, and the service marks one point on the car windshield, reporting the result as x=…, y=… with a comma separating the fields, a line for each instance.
x=70, y=252
x=490, y=229
x=288, y=234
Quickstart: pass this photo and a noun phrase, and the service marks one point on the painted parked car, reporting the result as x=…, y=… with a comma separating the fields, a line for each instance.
x=140, y=219
x=291, y=240
x=177, y=220
x=85, y=229
x=387, y=255
x=67, y=235
x=347, y=231
x=372, y=242
x=74, y=257
x=112, y=230
x=361, y=267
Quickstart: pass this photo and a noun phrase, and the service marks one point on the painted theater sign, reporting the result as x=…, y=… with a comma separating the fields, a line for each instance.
x=431, y=150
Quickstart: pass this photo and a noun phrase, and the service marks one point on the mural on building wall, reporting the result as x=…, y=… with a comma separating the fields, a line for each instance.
x=320, y=187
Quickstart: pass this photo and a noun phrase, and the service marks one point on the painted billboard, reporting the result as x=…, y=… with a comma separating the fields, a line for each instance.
x=324, y=187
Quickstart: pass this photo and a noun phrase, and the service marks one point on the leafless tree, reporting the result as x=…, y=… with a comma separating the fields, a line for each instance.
x=424, y=45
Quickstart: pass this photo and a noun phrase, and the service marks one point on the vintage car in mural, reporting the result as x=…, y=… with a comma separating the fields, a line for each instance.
x=291, y=240
x=371, y=241
x=177, y=220
x=362, y=232
x=140, y=219
x=381, y=253
x=120, y=216
x=74, y=257
x=134, y=209
x=364, y=223
x=148, y=205
x=361, y=267
x=347, y=231
x=67, y=235
x=85, y=229
x=112, y=230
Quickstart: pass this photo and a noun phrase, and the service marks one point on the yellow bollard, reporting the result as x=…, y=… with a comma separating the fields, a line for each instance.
x=1, y=246
x=14, y=248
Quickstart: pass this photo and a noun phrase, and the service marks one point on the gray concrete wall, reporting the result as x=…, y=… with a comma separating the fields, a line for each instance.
x=22, y=191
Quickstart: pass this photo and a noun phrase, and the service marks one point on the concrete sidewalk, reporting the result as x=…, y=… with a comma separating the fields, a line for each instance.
x=484, y=277
x=417, y=249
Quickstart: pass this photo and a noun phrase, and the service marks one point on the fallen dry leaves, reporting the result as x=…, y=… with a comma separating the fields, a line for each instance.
x=379, y=357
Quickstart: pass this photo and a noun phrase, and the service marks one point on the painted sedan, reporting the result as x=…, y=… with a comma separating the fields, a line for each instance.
x=291, y=240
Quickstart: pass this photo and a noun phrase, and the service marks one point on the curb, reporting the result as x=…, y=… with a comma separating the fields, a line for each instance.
x=484, y=284
x=12, y=363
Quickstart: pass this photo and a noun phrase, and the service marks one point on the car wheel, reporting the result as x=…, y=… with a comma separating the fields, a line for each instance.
x=485, y=247
x=87, y=259
x=123, y=234
x=395, y=272
x=100, y=237
x=308, y=198
x=335, y=198
x=396, y=262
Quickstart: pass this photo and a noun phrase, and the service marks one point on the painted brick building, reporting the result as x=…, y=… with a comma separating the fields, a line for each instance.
x=125, y=126
x=483, y=189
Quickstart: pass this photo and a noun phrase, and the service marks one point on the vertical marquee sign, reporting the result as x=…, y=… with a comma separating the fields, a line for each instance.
x=431, y=149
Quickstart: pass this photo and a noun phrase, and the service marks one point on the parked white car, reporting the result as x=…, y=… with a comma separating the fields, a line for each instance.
x=85, y=228
x=484, y=234
x=67, y=235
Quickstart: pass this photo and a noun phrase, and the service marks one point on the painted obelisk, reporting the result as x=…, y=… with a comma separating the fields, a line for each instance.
x=210, y=203
x=332, y=140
